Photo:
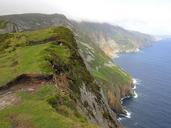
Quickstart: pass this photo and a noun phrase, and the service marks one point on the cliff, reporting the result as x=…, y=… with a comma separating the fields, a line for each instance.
x=45, y=79
x=113, y=39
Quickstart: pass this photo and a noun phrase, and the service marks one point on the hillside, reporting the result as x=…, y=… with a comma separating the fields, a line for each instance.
x=113, y=39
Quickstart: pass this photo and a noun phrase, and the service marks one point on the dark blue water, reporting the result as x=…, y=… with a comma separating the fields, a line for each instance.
x=152, y=68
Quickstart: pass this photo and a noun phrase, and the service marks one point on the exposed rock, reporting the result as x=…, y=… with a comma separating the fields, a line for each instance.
x=115, y=95
x=97, y=109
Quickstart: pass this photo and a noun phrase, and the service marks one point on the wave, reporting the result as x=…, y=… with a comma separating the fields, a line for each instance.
x=135, y=95
x=135, y=87
x=127, y=115
x=126, y=97
x=119, y=119
x=136, y=81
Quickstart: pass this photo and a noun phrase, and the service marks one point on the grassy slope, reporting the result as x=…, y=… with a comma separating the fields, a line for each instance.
x=111, y=74
x=102, y=69
x=35, y=111
x=18, y=56
x=99, y=64
x=32, y=52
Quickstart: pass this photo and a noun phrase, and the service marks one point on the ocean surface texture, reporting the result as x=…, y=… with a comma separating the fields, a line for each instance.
x=151, y=69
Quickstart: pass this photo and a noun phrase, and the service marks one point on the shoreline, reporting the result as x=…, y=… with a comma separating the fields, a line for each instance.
x=135, y=96
x=116, y=54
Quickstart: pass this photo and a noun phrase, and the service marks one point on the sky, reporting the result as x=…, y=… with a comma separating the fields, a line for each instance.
x=148, y=16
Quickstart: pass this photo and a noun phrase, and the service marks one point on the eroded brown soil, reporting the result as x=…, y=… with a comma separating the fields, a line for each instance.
x=24, y=82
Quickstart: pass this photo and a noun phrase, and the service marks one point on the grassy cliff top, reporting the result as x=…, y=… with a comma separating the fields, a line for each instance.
x=30, y=52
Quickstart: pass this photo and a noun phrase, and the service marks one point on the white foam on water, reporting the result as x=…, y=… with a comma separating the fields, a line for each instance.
x=135, y=95
x=136, y=81
x=128, y=114
x=119, y=119
x=135, y=86
x=126, y=97
x=123, y=98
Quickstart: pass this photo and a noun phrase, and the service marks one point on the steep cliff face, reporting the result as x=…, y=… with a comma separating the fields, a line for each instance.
x=116, y=94
x=31, y=60
x=115, y=83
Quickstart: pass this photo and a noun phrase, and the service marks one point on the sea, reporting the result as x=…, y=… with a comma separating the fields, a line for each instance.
x=151, y=72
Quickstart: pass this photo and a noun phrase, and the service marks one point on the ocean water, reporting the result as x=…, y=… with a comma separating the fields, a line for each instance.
x=151, y=69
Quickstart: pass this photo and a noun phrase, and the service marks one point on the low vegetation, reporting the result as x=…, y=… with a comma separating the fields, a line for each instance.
x=45, y=108
x=26, y=53
x=102, y=68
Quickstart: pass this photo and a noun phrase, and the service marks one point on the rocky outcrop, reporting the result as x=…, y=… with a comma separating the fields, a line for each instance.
x=97, y=108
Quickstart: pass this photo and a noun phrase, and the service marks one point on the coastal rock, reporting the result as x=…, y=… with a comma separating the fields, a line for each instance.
x=115, y=95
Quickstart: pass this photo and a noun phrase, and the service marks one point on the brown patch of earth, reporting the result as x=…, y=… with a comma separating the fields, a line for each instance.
x=25, y=82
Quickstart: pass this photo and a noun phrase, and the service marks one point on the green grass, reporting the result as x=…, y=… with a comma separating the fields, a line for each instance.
x=39, y=35
x=23, y=60
x=99, y=75
x=34, y=111
x=18, y=56
x=38, y=52
x=109, y=75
